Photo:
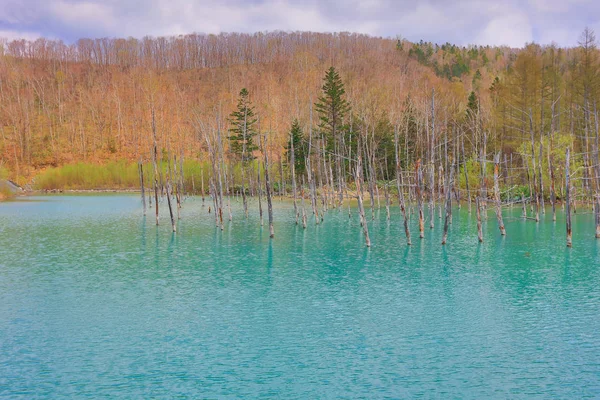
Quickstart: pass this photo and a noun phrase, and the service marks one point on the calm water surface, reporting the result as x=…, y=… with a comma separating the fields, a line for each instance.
x=96, y=301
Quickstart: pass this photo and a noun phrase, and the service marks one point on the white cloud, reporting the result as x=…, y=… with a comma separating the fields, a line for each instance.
x=556, y=6
x=424, y=19
x=14, y=35
x=560, y=36
x=87, y=13
x=511, y=29
x=511, y=22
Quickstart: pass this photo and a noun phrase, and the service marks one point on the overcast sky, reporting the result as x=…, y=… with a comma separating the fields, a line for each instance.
x=494, y=22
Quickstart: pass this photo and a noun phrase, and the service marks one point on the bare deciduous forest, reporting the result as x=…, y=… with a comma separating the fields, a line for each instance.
x=333, y=115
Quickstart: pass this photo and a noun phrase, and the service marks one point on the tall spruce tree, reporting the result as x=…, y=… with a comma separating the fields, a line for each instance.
x=297, y=138
x=472, y=105
x=332, y=107
x=242, y=129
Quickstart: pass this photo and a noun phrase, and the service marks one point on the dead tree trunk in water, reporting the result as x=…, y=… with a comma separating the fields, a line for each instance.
x=259, y=193
x=303, y=205
x=535, y=175
x=419, y=193
x=141, y=169
x=155, y=162
x=596, y=177
x=568, y=200
x=466, y=172
x=202, y=184
x=552, y=188
x=497, y=196
x=281, y=181
x=479, y=231
x=541, y=180
x=268, y=189
x=431, y=195
x=310, y=173
x=401, y=201
x=448, y=204
x=169, y=194
x=387, y=200
x=177, y=188
x=432, y=164
x=361, y=209
x=483, y=184
x=293, y=170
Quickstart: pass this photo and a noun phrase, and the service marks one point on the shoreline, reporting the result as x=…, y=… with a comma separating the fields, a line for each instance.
x=28, y=193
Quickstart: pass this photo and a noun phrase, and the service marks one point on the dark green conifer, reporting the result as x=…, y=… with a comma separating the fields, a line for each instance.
x=332, y=107
x=242, y=129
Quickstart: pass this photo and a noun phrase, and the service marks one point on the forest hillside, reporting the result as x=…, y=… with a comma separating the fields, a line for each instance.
x=92, y=102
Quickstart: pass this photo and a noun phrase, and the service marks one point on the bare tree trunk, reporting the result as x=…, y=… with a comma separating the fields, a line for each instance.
x=568, y=200
x=432, y=164
x=387, y=201
x=497, y=196
x=181, y=178
x=540, y=178
x=448, y=204
x=244, y=199
x=303, y=206
x=230, y=186
x=456, y=186
x=177, y=188
x=597, y=176
x=441, y=188
x=361, y=209
x=466, y=172
x=535, y=186
x=155, y=162
x=202, y=184
x=483, y=161
x=552, y=188
x=419, y=194
x=401, y=201
x=479, y=231
x=141, y=169
x=268, y=189
x=259, y=193
x=309, y=173
x=369, y=171
x=169, y=193
x=293, y=169
x=281, y=181
x=431, y=195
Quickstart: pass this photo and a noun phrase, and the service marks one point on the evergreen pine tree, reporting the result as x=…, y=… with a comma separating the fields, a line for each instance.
x=332, y=107
x=297, y=138
x=242, y=129
x=472, y=105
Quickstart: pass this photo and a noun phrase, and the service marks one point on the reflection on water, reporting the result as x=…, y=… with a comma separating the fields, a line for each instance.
x=95, y=300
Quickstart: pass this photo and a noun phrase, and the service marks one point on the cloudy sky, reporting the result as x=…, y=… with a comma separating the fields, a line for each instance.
x=463, y=22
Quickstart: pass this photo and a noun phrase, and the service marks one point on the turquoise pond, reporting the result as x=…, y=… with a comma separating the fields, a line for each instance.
x=96, y=301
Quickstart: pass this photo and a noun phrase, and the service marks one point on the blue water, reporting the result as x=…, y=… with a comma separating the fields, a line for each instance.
x=98, y=302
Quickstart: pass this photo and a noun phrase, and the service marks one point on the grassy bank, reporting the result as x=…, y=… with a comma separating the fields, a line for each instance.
x=114, y=175
x=5, y=192
x=124, y=175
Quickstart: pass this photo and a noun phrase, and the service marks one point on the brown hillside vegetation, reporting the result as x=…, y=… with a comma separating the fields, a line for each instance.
x=91, y=101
